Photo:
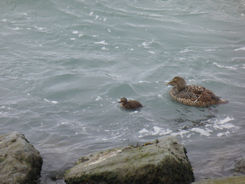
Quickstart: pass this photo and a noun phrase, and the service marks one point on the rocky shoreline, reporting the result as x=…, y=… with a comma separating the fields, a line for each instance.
x=162, y=161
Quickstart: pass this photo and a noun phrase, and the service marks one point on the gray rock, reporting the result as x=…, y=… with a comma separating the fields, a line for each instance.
x=163, y=161
x=240, y=166
x=227, y=180
x=20, y=162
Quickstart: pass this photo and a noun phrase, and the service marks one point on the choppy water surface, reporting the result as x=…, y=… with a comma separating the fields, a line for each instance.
x=65, y=64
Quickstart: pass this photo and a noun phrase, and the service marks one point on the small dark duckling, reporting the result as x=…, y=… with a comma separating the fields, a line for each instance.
x=193, y=95
x=130, y=104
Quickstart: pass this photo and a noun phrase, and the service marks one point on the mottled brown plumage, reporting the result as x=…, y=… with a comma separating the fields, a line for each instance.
x=130, y=104
x=193, y=95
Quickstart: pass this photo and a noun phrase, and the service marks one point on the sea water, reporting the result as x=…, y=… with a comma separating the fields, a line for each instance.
x=65, y=64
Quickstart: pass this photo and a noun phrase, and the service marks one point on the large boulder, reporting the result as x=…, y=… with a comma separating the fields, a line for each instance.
x=162, y=161
x=20, y=162
x=227, y=180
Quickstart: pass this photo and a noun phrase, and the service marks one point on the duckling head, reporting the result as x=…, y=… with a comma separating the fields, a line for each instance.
x=123, y=100
x=178, y=82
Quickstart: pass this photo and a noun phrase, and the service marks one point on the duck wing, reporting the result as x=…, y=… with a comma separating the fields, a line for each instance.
x=203, y=95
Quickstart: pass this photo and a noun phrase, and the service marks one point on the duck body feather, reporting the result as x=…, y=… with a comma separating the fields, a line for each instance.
x=194, y=95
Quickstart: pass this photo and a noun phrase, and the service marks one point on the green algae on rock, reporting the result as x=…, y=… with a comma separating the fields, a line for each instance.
x=159, y=162
x=20, y=162
x=228, y=180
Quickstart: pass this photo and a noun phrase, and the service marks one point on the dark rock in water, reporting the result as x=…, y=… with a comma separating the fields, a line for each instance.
x=228, y=180
x=162, y=161
x=240, y=166
x=20, y=162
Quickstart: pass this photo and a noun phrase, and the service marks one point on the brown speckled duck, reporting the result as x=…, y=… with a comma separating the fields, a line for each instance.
x=193, y=95
x=130, y=104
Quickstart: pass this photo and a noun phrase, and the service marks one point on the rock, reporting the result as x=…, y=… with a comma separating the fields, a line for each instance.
x=228, y=180
x=20, y=162
x=162, y=161
x=240, y=166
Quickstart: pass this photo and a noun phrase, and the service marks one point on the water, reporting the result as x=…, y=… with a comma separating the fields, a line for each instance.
x=64, y=65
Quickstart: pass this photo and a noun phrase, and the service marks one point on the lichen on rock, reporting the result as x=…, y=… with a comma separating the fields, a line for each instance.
x=20, y=162
x=164, y=161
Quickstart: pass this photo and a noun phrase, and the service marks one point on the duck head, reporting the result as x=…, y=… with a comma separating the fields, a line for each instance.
x=178, y=82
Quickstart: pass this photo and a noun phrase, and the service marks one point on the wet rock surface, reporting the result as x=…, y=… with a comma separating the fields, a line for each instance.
x=240, y=166
x=20, y=162
x=163, y=161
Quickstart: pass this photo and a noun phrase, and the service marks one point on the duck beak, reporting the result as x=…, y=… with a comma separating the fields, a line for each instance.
x=169, y=83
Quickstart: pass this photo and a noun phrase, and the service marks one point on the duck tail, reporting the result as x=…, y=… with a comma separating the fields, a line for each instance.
x=222, y=101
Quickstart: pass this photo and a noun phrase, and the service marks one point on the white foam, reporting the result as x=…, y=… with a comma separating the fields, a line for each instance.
x=80, y=35
x=104, y=48
x=141, y=81
x=96, y=17
x=134, y=112
x=185, y=50
x=223, y=134
x=91, y=13
x=205, y=132
x=103, y=42
x=210, y=50
x=160, y=131
x=180, y=133
x=159, y=95
x=109, y=30
x=151, y=52
x=226, y=67
x=222, y=124
x=64, y=123
x=240, y=49
x=75, y=32
x=39, y=28
x=226, y=120
x=50, y=101
x=155, y=131
x=4, y=20
x=98, y=98
x=72, y=39
x=143, y=131
x=146, y=44
x=16, y=29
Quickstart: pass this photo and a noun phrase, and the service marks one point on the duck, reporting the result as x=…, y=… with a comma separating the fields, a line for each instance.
x=193, y=95
x=129, y=104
